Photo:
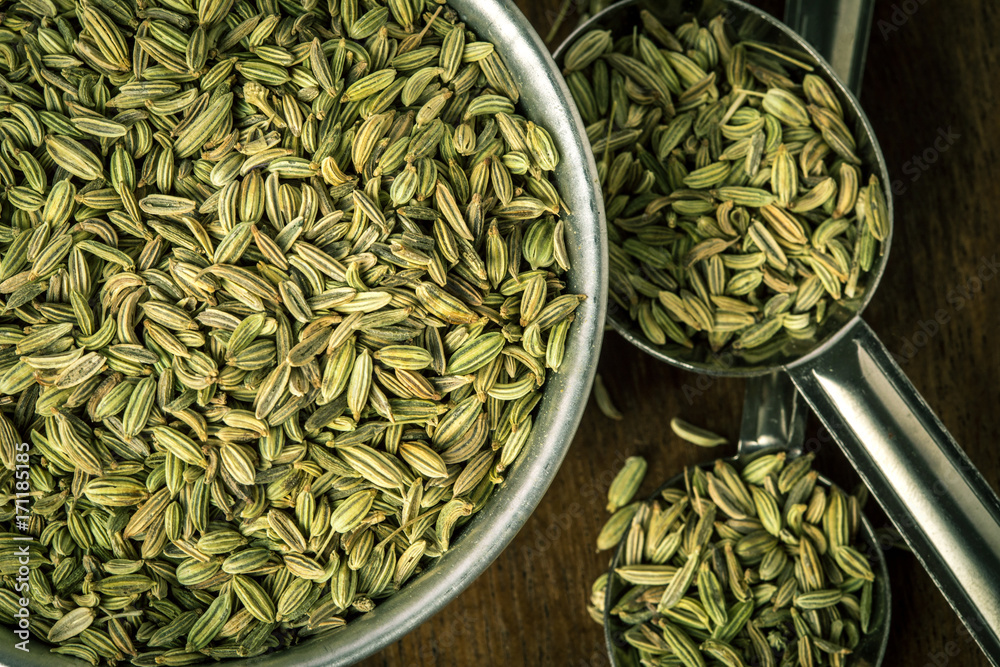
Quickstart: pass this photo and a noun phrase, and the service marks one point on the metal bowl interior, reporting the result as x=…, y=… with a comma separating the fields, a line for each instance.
x=748, y=22
x=546, y=100
x=869, y=652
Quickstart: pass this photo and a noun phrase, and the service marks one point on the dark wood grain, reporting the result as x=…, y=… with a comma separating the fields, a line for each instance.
x=932, y=72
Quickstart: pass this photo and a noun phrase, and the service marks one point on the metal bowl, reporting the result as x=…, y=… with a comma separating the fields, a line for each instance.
x=546, y=100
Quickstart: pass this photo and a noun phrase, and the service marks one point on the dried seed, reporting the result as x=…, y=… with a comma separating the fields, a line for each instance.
x=695, y=435
x=603, y=399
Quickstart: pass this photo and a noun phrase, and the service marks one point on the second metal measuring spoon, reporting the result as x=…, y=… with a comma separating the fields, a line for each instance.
x=773, y=420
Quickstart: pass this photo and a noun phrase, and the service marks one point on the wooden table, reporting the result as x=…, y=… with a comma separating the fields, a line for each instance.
x=931, y=90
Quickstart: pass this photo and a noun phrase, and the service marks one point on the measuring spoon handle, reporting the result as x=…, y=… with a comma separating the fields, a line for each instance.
x=938, y=500
x=774, y=415
x=839, y=29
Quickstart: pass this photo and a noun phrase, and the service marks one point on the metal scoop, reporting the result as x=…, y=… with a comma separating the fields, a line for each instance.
x=937, y=499
x=774, y=419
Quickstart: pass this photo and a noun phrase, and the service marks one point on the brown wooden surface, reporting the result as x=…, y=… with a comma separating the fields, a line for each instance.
x=931, y=72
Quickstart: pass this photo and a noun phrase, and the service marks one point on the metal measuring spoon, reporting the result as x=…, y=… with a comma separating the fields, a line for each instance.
x=774, y=419
x=937, y=499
